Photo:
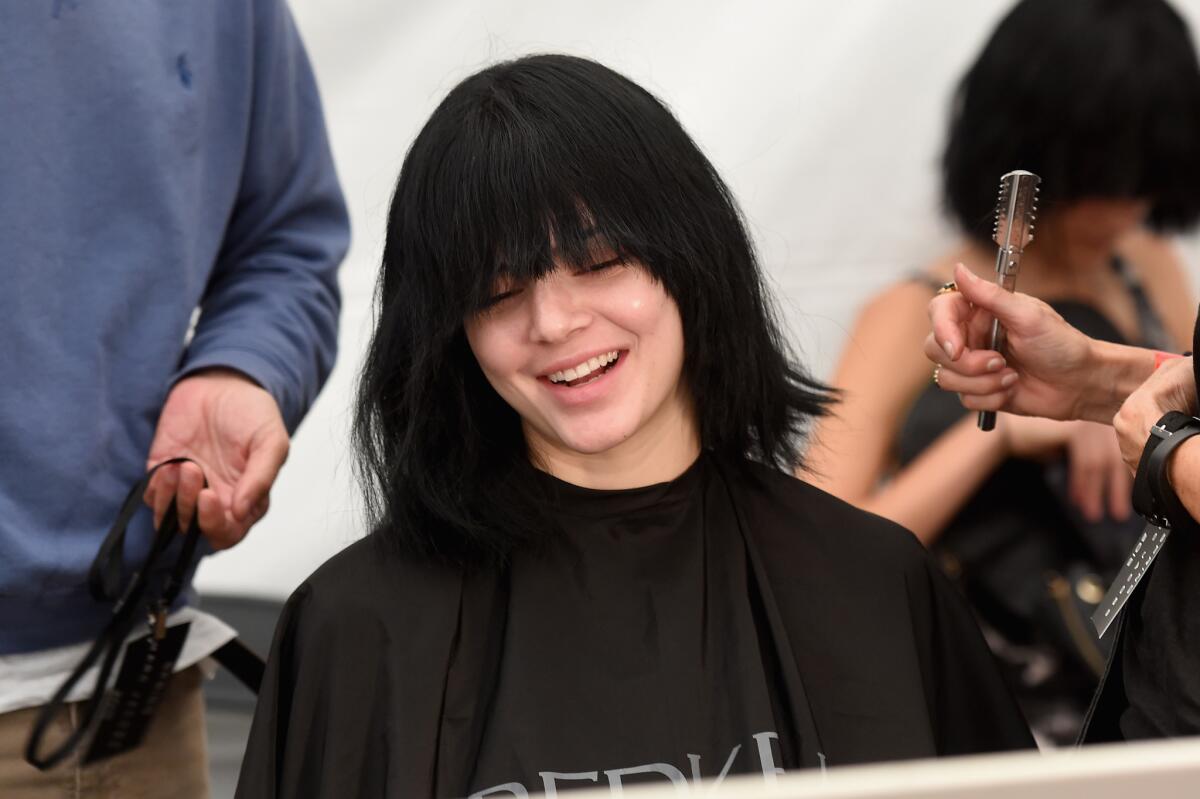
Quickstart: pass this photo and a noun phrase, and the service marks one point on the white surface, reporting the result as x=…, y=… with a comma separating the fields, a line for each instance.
x=825, y=118
x=1168, y=770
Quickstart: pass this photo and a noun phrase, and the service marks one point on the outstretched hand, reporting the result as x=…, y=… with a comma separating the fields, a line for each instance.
x=1044, y=369
x=233, y=429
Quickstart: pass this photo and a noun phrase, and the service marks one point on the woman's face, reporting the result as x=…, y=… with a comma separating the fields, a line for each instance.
x=590, y=357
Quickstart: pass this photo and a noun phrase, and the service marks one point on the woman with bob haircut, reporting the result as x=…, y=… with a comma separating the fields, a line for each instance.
x=1101, y=98
x=590, y=563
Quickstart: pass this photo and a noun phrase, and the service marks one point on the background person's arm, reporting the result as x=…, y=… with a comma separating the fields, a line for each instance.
x=881, y=373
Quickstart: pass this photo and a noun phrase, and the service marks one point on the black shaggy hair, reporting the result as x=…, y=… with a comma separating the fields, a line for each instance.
x=543, y=149
x=1101, y=98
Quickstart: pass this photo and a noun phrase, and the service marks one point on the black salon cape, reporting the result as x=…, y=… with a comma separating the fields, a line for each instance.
x=380, y=671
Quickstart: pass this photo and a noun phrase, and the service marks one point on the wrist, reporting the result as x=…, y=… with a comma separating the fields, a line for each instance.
x=220, y=372
x=1111, y=373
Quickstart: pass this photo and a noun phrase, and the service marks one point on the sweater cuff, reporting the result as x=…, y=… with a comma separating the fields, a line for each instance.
x=256, y=367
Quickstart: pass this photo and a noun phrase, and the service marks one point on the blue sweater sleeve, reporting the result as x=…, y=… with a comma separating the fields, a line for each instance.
x=271, y=306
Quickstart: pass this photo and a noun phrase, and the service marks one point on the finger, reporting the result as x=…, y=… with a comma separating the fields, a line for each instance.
x=168, y=482
x=999, y=382
x=971, y=362
x=215, y=522
x=260, y=510
x=1099, y=457
x=1130, y=439
x=948, y=315
x=985, y=402
x=191, y=482
x=151, y=491
x=1087, y=484
x=1120, y=492
x=1010, y=308
x=262, y=468
x=979, y=329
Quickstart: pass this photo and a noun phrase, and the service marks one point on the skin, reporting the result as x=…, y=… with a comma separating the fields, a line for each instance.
x=884, y=369
x=233, y=428
x=1062, y=374
x=633, y=426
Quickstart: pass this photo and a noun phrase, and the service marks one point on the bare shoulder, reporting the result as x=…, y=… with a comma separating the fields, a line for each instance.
x=885, y=344
x=1157, y=263
x=892, y=325
x=899, y=302
x=1152, y=255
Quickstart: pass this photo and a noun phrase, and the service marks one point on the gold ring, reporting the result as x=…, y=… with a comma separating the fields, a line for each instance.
x=946, y=288
x=937, y=373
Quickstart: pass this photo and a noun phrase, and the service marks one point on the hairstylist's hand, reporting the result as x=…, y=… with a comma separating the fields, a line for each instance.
x=1045, y=370
x=1171, y=388
x=233, y=429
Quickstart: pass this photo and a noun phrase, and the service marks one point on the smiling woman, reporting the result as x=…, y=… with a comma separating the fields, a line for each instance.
x=577, y=425
x=626, y=421
x=551, y=210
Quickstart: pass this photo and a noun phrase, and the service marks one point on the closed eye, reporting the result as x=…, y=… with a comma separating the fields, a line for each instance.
x=495, y=300
x=603, y=265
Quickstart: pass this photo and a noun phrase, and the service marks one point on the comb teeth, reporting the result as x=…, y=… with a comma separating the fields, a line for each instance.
x=1016, y=210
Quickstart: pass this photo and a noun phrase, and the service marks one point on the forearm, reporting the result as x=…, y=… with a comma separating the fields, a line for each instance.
x=1114, y=372
x=926, y=494
x=272, y=303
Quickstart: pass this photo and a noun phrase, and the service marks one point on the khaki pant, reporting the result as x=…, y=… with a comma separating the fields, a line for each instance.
x=171, y=761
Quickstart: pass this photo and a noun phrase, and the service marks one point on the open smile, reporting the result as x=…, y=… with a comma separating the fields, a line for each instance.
x=586, y=371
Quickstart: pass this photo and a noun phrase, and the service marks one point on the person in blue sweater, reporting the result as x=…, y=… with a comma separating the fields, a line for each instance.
x=170, y=230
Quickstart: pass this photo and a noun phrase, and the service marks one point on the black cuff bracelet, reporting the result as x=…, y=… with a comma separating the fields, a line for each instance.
x=1153, y=495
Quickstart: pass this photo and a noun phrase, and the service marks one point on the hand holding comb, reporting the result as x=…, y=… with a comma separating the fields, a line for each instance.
x=1016, y=208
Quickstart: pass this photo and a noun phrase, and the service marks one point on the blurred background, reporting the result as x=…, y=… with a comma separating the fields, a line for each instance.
x=826, y=119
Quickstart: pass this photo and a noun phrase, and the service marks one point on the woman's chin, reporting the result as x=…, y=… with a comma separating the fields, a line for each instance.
x=597, y=446
x=591, y=442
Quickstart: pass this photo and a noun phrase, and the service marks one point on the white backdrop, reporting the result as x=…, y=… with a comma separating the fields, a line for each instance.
x=826, y=118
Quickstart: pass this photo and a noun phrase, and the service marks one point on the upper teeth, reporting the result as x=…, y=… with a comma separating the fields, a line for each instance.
x=583, y=369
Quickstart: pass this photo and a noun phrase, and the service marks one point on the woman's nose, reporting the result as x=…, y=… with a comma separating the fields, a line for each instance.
x=556, y=309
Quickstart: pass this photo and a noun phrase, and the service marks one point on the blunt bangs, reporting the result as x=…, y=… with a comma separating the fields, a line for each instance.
x=1099, y=97
x=528, y=163
x=542, y=158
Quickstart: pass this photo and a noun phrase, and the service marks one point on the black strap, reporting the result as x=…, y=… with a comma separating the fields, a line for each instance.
x=104, y=581
x=243, y=663
x=1153, y=496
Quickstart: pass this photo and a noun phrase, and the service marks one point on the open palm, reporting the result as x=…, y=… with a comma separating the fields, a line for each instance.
x=233, y=429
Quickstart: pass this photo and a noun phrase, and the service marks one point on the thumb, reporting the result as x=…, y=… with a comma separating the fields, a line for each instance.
x=1010, y=308
x=262, y=467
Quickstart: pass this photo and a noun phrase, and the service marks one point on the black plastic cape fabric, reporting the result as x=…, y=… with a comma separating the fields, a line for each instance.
x=384, y=668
